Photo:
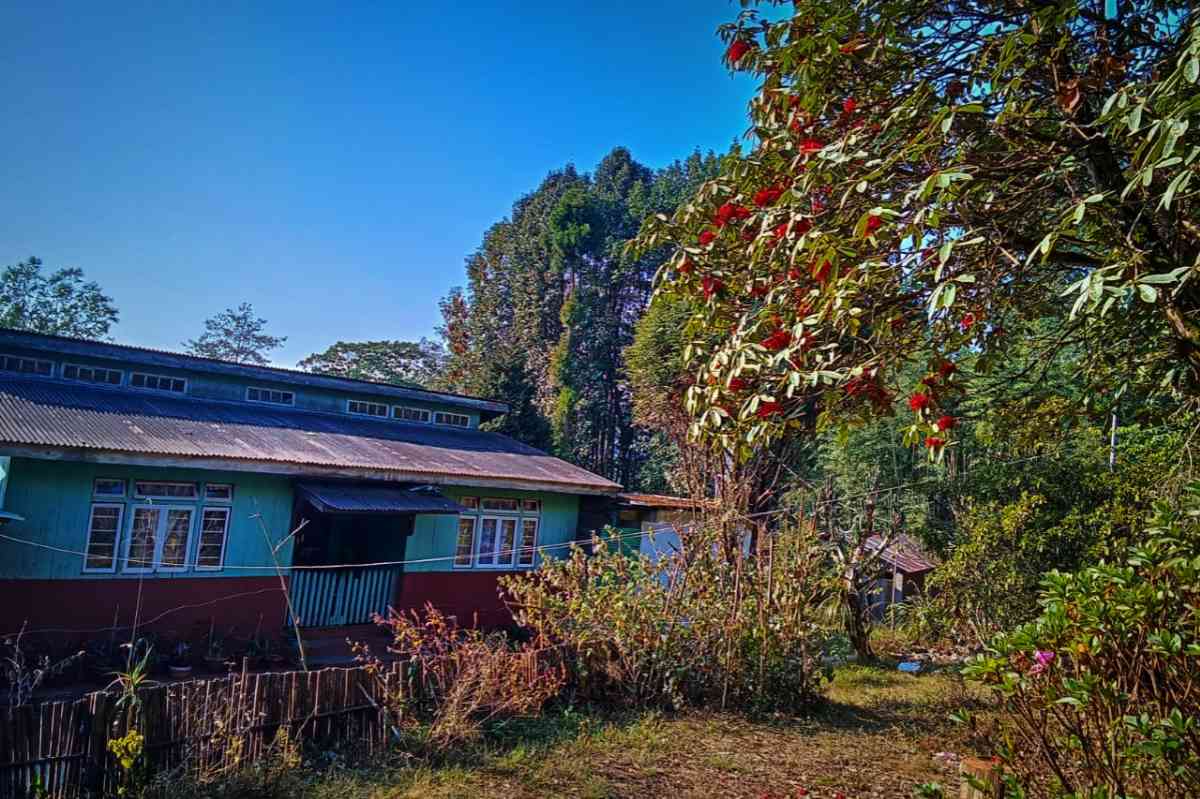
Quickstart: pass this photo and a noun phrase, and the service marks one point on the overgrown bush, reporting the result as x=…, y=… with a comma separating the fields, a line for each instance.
x=1101, y=693
x=462, y=676
x=711, y=624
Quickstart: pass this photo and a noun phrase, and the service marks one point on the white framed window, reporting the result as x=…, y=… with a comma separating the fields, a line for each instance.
x=529, y=531
x=367, y=408
x=464, y=548
x=497, y=541
x=218, y=492
x=32, y=366
x=175, y=385
x=500, y=503
x=453, y=419
x=108, y=487
x=104, y=528
x=270, y=395
x=158, y=539
x=410, y=414
x=92, y=374
x=157, y=489
x=214, y=530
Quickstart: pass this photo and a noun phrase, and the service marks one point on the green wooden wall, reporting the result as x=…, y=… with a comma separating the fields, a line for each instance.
x=55, y=497
x=436, y=536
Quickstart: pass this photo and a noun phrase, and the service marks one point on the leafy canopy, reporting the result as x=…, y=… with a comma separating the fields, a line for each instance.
x=60, y=303
x=237, y=335
x=411, y=363
x=937, y=179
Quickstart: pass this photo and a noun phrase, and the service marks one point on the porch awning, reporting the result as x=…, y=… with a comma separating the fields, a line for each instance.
x=358, y=498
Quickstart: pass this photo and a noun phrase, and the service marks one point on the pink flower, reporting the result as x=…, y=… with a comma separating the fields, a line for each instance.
x=1042, y=662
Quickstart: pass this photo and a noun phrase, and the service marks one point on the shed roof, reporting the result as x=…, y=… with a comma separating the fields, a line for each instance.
x=904, y=554
x=635, y=500
x=359, y=498
x=46, y=418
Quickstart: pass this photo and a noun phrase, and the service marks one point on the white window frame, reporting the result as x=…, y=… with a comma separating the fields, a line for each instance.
x=440, y=417
x=77, y=379
x=425, y=414
x=36, y=373
x=158, y=377
x=537, y=529
x=96, y=492
x=471, y=554
x=160, y=539
x=120, y=508
x=168, y=497
x=228, y=511
x=208, y=498
x=291, y=394
x=496, y=564
x=515, y=509
x=350, y=403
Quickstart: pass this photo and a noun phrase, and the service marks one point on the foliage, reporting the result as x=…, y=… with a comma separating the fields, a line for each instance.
x=707, y=625
x=24, y=674
x=468, y=676
x=406, y=363
x=61, y=303
x=928, y=179
x=551, y=303
x=1100, y=692
x=1013, y=521
x=237, y=335
x=129, y=753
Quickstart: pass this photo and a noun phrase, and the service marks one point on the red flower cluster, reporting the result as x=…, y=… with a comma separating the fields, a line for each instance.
x=686, y=266
x=946, y=423
x=967, y=322
x=821, y=273
x=777, y=340
x=736, y=50
x=768, y=409
x=873, y=224
x=730, y=213
x=767, y=196
x=919, y=402
x=737, y=384
x=809, y=146
x=869, y=388
x=711, y=285
x=848, y=105
x=706, y=237
x=933, y=442
x=946, y=368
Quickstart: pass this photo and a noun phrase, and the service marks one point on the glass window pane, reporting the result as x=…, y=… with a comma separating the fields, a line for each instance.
x=466, y=541
x=214, y=525
x=102, y=537
x=142, y=538
x=175, y=541
x=528, y=542
x=508, y=541
x=487, y=540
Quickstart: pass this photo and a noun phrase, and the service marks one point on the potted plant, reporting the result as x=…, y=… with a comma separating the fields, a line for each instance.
x=180, y=665
x=214, y=657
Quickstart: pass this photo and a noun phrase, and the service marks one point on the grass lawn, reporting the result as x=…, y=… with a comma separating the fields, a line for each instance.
x=876, y=738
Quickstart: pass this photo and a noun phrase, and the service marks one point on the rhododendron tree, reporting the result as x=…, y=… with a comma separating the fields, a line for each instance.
x=935, y=181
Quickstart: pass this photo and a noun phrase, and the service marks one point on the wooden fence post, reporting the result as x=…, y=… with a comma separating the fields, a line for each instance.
x=986, y=773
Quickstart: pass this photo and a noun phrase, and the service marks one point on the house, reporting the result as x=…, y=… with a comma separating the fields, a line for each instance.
x=176, y=491
x=903, y=566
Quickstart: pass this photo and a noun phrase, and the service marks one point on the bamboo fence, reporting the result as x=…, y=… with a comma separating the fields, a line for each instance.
x=213, y=725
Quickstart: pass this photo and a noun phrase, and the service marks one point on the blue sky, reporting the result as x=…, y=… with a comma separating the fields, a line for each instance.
x=333, y=164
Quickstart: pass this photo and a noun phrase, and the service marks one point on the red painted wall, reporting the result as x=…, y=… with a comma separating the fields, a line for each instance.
x=471, y=596
x=77, y=610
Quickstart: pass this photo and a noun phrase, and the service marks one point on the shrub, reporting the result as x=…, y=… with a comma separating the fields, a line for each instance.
x=710, y=624
x=464, y=677
x=1101, y=693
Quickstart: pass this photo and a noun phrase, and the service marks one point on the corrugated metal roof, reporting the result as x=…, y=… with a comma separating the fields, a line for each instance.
x=48, y=414
x=62, y=345
x=663, y=501
x=360, y=498
x=903, y=554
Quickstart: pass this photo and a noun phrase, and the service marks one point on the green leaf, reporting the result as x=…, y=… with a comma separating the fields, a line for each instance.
x=1149, y=293
x=1191, y=70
